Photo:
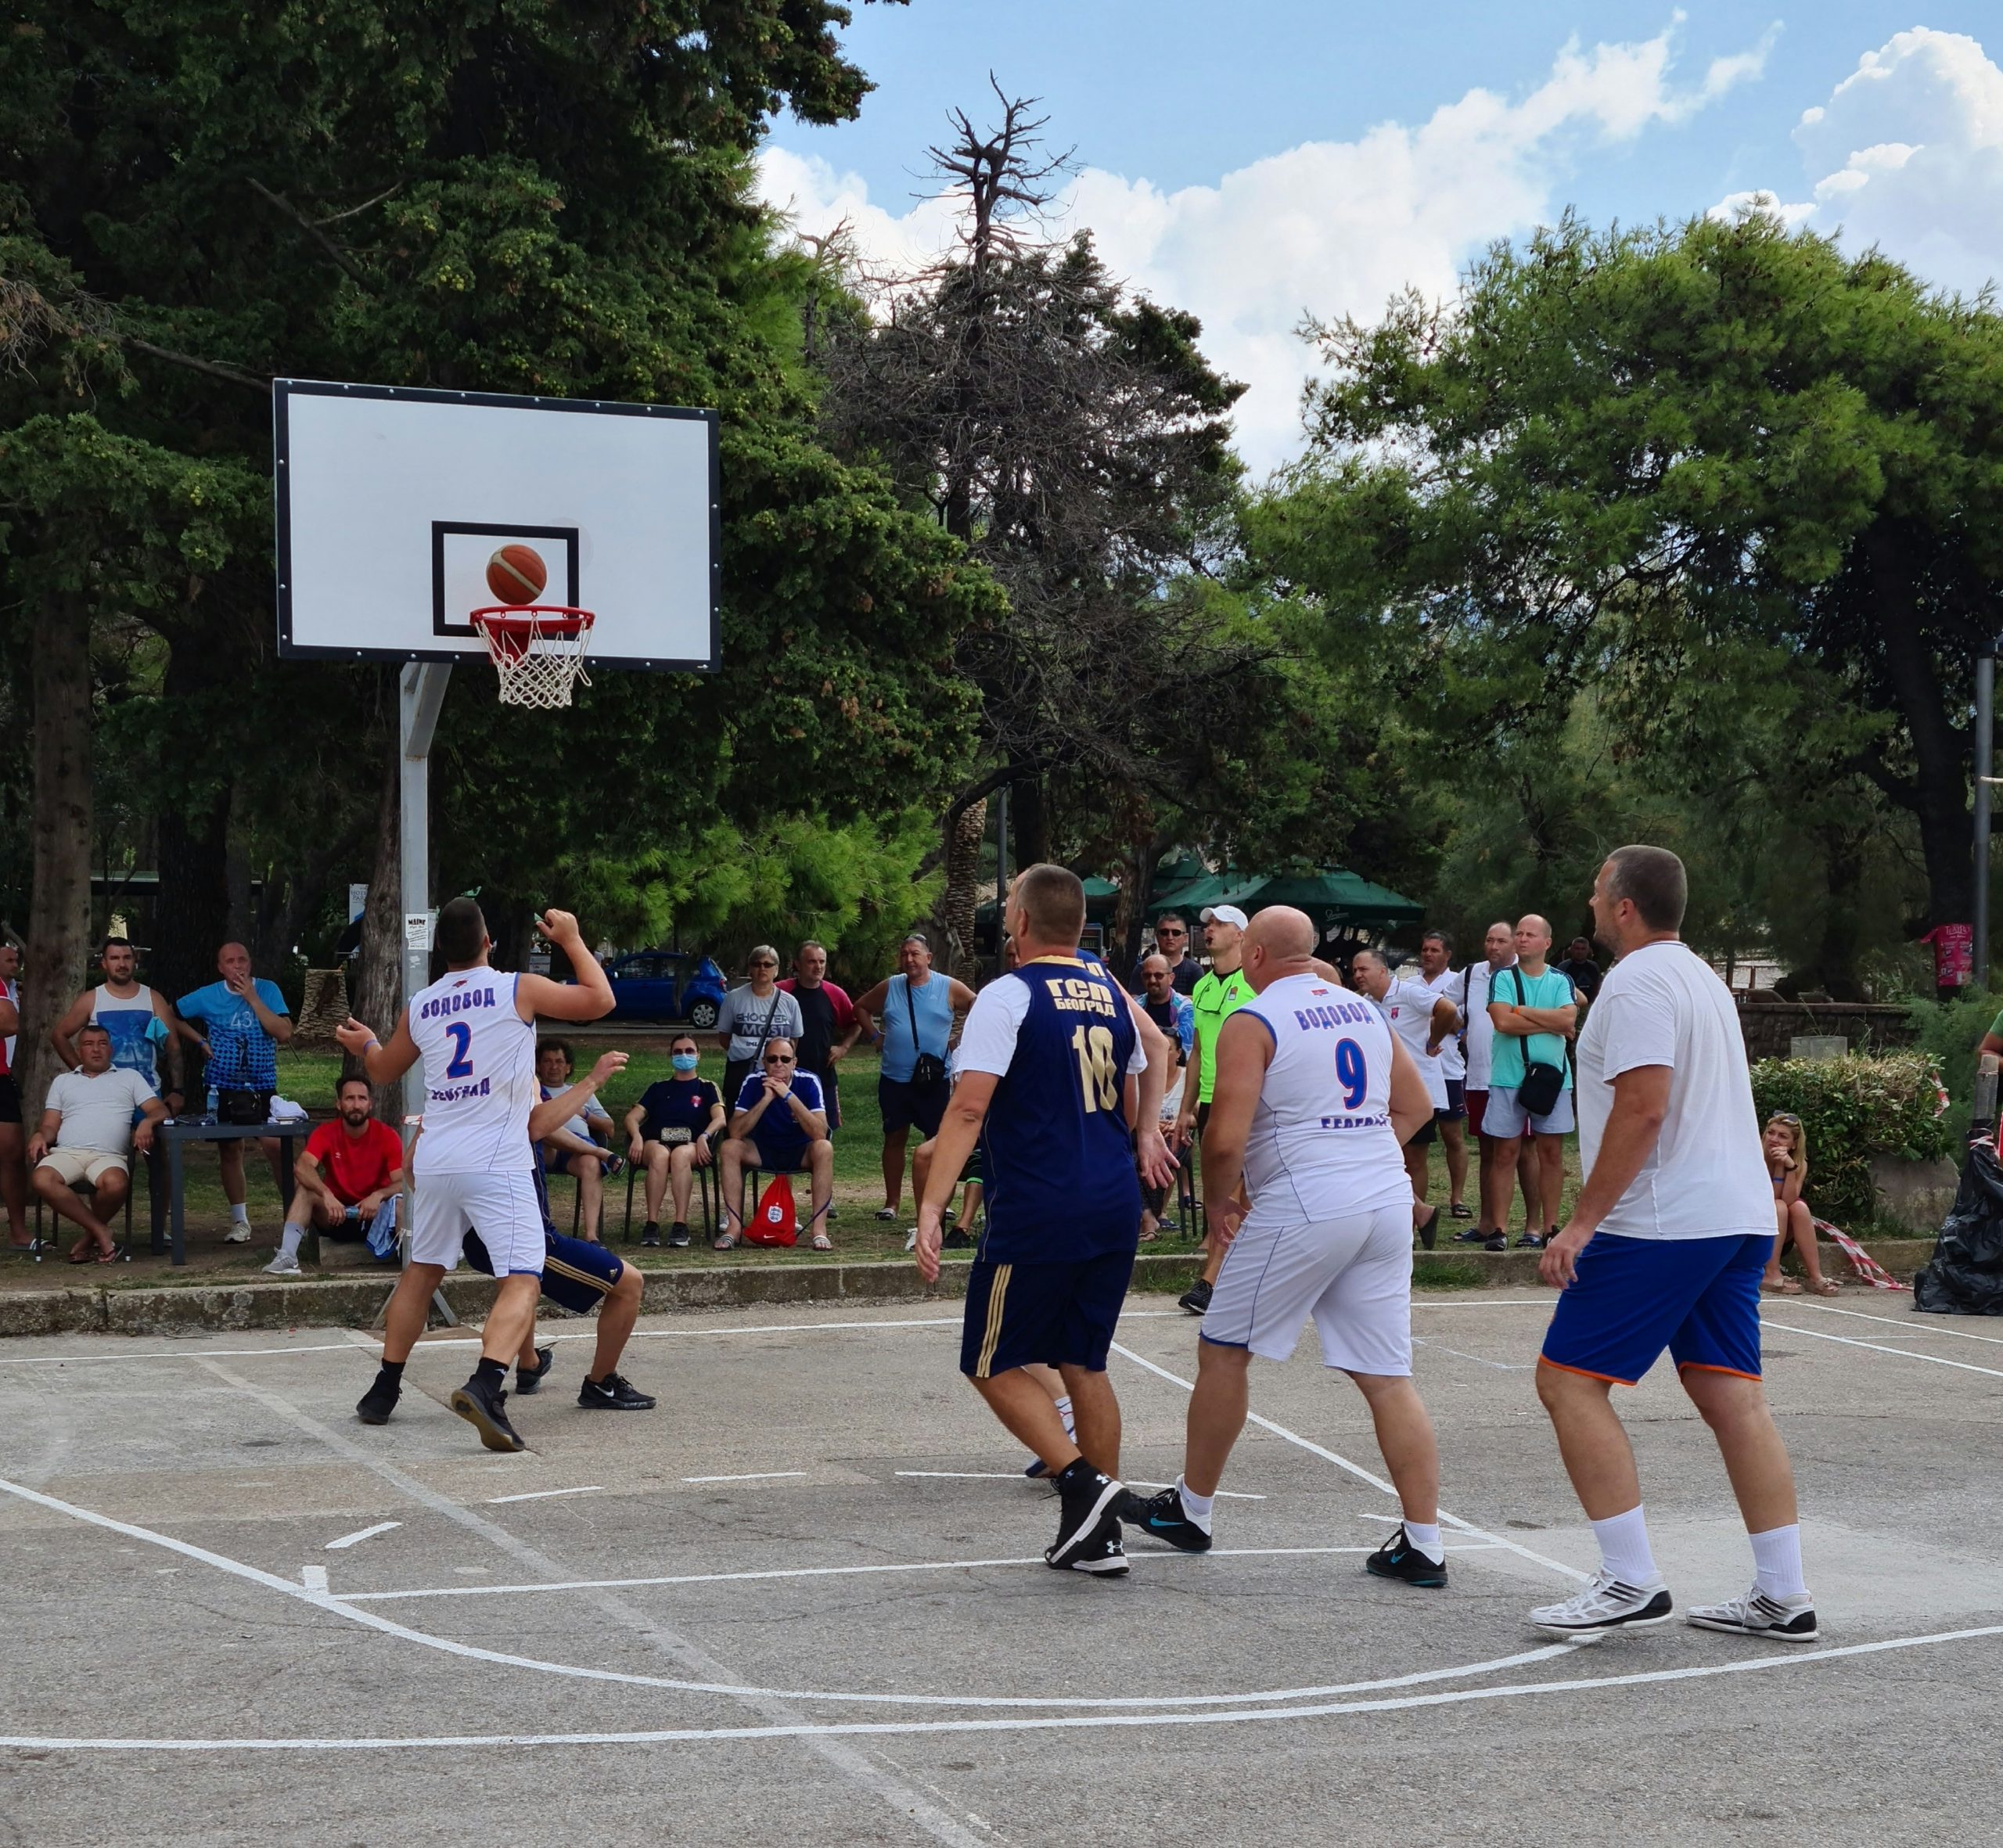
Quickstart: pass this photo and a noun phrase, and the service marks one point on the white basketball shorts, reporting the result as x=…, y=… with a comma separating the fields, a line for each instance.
x=1351, y=1275
x=502, y=1208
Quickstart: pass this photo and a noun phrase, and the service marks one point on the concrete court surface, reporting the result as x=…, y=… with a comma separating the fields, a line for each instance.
x=803, y=1603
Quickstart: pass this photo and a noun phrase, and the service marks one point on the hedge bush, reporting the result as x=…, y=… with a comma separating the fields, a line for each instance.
x=1853, y=1108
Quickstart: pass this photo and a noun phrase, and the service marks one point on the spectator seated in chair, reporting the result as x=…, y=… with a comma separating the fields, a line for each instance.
x=581, y=1147
x=95, y=1117
x=673, y=1130
x=349, y=1168
x=780, y=1126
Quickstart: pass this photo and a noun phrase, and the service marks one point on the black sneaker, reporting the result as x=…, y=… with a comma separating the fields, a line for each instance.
x=677, y=1236
x=1196, y=1298
x=1161, y=1517
x=1471, y=1236
x=1088, y=1501
x=1496, y=1242
x=1530, y=1242
x=833, y=1212
x=614, y=1393
x=525, y=1381
x=955, y=1240
x=485, y=1408
x=1429, y=1229
x=650, y=1233
x=1102, y=1555
x=375, y=1406
x=1398, y=1559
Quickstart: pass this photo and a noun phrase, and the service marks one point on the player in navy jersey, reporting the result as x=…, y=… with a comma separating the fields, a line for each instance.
x=1057, y=1066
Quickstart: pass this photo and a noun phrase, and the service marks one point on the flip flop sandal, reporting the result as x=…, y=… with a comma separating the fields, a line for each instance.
x=724, y=1242
x=1457, y=1211
x=1786, y=1287
x=1828, y=1287
x=823, y=1243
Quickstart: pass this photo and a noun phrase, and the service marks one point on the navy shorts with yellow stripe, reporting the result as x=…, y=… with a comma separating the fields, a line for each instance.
x=576, y=1275
x=1632, y=1298
x=1061, y=1315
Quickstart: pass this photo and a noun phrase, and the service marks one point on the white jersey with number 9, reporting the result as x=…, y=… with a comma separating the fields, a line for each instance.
x=480, y=1083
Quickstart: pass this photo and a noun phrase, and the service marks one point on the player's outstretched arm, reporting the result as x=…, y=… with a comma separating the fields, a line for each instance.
x=587, y=999
x=383, y=1063
x=551, y=1115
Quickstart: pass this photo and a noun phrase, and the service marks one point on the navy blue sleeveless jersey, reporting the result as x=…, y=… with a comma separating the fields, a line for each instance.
x=1057, y=1147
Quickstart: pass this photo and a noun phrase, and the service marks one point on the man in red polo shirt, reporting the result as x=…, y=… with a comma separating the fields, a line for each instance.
x=352, y=1163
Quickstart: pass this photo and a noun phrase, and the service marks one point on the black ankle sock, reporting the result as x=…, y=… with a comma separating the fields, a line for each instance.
x=493, y=1372
x=393, y=1371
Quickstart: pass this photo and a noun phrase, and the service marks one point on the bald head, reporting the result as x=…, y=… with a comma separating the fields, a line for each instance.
x=1278, y=942
x=1533, y=941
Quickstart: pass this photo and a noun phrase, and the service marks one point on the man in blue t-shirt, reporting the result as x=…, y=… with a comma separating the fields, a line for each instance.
x=1535, y=1011
x=780, y=1123
x=674, y=1130
x=1058, y=1066
x=239, y=1023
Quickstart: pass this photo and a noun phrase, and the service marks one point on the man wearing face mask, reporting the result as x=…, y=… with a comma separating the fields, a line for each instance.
x=673, y=1130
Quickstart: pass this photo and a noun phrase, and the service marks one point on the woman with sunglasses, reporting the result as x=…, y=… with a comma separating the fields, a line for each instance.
x=779, y=1123
x=753, y=1014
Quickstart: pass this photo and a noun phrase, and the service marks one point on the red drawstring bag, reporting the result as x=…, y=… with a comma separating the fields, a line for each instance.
x=777, y=1219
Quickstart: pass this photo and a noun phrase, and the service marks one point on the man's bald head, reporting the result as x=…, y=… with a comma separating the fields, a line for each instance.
x=1278, y=942
x=1532, y=939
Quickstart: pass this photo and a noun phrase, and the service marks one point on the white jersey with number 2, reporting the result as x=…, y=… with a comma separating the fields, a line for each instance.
x=480, y=1083
x=1321, y=1145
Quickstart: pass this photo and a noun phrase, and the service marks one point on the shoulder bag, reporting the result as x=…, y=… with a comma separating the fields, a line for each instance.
x=928, y=1070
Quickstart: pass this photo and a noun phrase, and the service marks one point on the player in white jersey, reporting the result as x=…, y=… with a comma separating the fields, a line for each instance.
x=474, y=1028
x=1315, y=1098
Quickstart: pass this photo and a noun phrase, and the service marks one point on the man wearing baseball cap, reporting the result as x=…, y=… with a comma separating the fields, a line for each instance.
x=1221, y=992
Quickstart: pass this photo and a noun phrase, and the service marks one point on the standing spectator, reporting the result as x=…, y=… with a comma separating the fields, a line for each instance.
x=1436, y=971
x=1172, y=940
x=13, y=1165
x=828, y=1026
x=245, y=1022
x=751, y=1015
x=1663, y=1249
x=913, y=1016
x=580, y=1148
x=778, y=1124
x=349, y=1170
x=674, y=1129
x=10, y=986
x=1492, y=1186
x=1174, y=1013
x=1420, y=1019
x=1580, y=970
x=94, y=1117
x=1535, y=1011
x=138, y=1018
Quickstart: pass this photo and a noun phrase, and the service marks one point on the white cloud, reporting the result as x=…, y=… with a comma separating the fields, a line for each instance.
x=1330, y=228
x=1907, y=154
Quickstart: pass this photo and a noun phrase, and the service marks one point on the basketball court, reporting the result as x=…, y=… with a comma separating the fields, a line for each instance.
x=803, y=1601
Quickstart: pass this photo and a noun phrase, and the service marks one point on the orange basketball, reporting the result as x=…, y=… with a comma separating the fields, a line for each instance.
x=516, y=574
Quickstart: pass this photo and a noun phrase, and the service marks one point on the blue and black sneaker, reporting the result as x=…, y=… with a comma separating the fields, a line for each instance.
x=1161, y=1517
x=525, y=1381
x=1398, y=1559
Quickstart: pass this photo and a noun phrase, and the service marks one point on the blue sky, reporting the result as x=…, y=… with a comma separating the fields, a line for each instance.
x=1257, y=161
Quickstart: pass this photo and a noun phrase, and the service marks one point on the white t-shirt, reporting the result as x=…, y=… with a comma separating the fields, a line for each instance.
x=480, y=1082
x=1450, y=984
x=987, y=1041
x=1706, y=1178
x=1407, y=1009
x=1321, y=1145
x=1477, y=979
x=97, y=1112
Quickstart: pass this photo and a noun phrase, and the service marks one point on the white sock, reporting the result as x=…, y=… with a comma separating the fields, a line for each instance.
x=240, y=1215
x=1777, y=1562
x=288, y=1239
x=1425, y=1538
x=1064, y=1412
x=1624, y=1548
x=1196, y=1506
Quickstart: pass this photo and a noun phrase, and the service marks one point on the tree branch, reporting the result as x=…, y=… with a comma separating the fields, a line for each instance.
x=313, y=231
x=263, y=386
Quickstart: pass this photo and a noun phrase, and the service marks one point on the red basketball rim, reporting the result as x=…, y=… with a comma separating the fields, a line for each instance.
x=510, y=627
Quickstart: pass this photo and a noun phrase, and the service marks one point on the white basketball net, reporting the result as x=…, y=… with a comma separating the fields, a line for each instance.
x=538, y=669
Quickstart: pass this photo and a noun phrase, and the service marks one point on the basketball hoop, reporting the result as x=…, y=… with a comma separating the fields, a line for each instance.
x=538, y=650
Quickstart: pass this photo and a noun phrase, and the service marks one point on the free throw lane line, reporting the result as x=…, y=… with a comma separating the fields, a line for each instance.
x=1904, y=1354
x=360, y=1534
x=545, y=1494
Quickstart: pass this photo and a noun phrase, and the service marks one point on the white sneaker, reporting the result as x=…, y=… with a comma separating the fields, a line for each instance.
x=910, y=1239
x=1760, y=1613
x=285, y=1264
x=238, y=1234
x=1606, y=1604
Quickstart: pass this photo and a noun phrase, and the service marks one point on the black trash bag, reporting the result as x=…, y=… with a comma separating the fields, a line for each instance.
x=1964, y=1275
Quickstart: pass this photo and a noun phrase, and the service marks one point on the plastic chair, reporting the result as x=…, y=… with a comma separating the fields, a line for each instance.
x=704, y=1179
x=40, y=1243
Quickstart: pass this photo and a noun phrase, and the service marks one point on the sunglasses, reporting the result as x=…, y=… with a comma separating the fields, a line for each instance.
x=764, y=963
x=779, y=1058
x=1782, y=1116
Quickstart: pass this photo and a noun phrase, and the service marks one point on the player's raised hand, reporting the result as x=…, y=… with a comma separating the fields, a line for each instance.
x=353, y=1036
x=559, y=927
x=609, y=1066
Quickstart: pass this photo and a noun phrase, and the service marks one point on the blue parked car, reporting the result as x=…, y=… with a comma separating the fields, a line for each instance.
x=666, y=985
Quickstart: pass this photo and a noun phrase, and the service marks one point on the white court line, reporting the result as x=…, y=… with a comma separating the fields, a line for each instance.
x=1743, y=1665
x=1907, y=1325
x=1500, y=1366
x=341, y=1607
x=1357, y=1469
x=756, y=1476
x=1016, y=1476
x=313, y=1577
x=1904, y=1354
x=361, y=1534
x=544, y=1494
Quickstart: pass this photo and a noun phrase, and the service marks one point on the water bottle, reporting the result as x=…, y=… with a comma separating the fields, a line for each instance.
x=212, y=1103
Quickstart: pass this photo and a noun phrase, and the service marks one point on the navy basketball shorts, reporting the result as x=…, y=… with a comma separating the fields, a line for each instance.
x=1062, y=1315
x=576, y=1275
x=1633, y=1298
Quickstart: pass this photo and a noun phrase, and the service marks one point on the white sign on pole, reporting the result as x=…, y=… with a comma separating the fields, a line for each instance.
x=358, y=901
x=418, y=926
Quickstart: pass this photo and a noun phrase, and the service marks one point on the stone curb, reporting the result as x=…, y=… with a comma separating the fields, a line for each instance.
x=355, y=1301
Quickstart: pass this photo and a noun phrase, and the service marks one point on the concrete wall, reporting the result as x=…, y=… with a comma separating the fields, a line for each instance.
x=1771, y=1027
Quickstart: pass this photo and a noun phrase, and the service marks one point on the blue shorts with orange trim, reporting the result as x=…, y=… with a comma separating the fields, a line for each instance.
x=1061, y=1315
x=1632, y=1298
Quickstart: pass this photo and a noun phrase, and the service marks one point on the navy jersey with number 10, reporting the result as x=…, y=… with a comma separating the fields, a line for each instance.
x=1058, y=1148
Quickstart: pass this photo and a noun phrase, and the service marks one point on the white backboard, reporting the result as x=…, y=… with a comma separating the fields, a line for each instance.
x=391, y=501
